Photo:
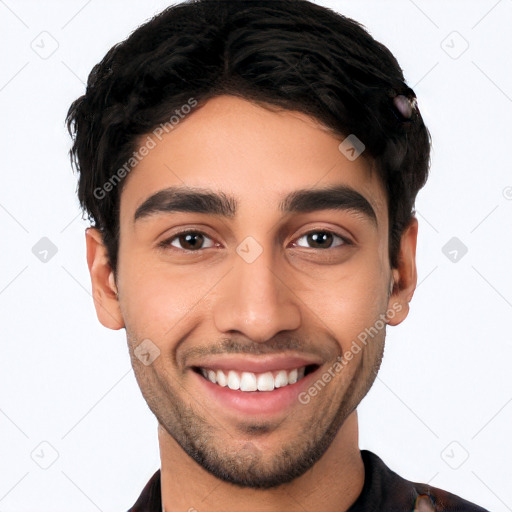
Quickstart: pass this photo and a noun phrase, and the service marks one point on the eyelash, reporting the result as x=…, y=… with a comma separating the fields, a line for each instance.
x=168, y=242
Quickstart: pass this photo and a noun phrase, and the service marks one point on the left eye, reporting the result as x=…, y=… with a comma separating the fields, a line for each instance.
x=321, y=239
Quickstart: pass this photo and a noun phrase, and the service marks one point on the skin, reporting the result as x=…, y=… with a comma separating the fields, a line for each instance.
x=295, y=298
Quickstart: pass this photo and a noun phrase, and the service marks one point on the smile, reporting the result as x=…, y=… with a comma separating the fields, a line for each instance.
x=249, y=381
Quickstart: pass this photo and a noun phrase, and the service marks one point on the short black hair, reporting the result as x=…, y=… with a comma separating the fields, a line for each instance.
x=289, y=54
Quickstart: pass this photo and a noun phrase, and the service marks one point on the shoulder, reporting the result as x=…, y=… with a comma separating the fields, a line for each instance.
x=150, y=499
x=396, y=493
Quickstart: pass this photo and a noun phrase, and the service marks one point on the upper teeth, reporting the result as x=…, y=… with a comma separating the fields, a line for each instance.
x=248, y=381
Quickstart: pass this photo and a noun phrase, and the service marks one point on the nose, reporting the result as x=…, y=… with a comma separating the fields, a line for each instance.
x=255, y=301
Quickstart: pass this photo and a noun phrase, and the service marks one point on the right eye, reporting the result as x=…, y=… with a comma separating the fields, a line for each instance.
x=192, y=241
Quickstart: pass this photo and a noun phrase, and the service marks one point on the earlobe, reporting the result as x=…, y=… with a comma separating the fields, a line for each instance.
x=404, y=277
x=104, y=289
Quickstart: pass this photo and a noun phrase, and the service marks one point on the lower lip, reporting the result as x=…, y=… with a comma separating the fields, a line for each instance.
x=256, y=402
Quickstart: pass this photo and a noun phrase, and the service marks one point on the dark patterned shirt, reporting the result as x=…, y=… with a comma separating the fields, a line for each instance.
x=383, y=491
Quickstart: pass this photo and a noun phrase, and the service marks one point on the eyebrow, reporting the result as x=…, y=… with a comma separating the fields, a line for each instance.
x=206, y=201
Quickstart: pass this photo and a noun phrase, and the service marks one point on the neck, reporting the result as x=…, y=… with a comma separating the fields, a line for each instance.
x=331, y=485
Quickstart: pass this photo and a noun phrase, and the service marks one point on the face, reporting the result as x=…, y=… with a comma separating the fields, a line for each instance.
x=252, y=251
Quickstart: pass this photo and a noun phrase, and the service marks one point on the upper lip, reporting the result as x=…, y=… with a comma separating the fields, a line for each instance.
x=256, y=364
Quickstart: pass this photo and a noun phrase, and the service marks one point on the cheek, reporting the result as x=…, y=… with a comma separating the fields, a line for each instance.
x=351, y=302
x=165, y=302
x=156, y=300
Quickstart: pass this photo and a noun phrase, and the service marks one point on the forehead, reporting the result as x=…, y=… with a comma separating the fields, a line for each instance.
x=254, y=155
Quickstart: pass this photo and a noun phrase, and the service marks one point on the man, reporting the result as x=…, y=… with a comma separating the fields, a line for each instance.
x=251, y=168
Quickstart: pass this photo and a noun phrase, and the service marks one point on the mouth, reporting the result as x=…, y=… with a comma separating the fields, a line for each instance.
x=248, y=382
x=254, y=386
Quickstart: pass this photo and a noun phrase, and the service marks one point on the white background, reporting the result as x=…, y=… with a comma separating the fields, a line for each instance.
x=444, y=392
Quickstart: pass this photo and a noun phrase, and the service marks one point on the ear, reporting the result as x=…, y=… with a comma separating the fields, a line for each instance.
x=104, y=290
x=405, y=275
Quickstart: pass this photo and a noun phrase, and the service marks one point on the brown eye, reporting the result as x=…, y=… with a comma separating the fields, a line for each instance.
x=321, y=240
x=189, y=241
